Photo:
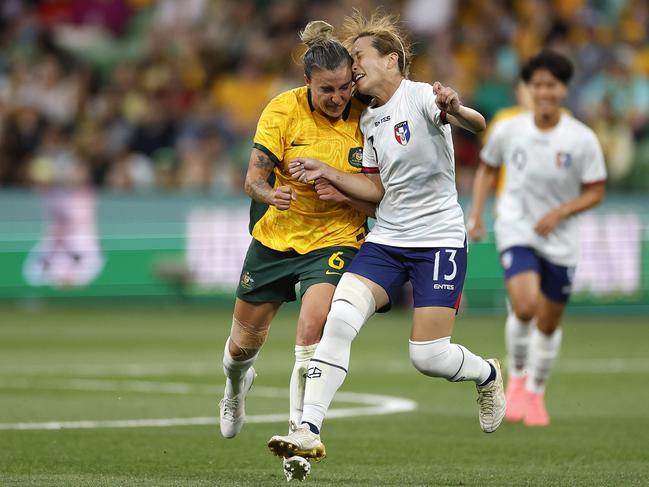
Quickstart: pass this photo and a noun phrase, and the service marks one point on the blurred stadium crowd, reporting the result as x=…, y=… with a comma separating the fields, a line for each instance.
x=165, y=94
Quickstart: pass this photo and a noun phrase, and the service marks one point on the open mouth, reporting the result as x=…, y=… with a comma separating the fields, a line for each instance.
x=358, y=76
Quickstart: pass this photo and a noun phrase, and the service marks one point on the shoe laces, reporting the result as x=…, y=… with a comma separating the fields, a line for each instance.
x=486, y=399
x=230, y=407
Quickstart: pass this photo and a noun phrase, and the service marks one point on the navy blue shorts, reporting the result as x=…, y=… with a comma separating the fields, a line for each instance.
x=436, y=274
x=556, y=280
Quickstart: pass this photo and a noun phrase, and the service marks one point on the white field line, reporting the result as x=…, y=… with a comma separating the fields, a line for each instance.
x=564, y=366
x=373, y=404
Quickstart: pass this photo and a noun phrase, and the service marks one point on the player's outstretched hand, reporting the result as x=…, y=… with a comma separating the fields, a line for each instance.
x=328, y=192
x=306, y=170
x=446, y=99
x=282, y=197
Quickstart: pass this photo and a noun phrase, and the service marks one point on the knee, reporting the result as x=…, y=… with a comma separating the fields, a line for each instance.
x=246, y=339
x=525, y=309
x=309, y=330
x=432, y=358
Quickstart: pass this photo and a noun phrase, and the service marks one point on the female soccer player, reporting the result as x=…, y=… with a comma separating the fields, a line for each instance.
x=408, y=167
x=302, y=233
x=554, y=170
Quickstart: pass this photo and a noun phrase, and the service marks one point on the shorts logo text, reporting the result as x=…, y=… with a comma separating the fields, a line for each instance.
x=448, y=287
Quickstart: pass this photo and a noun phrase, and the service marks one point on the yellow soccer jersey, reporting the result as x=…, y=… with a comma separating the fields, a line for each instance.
x=288, y=128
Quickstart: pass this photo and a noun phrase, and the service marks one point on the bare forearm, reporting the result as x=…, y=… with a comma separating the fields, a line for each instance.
x=365, y=207
x=469, y=119
x=356, y=186
x=482, y=184
x=590, y=197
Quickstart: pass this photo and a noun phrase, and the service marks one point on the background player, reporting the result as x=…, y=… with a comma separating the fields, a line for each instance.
x=419, y=235
x=555, y=170
x=297, y=235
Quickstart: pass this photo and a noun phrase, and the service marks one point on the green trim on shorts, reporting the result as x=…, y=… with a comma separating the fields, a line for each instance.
x=270, y=276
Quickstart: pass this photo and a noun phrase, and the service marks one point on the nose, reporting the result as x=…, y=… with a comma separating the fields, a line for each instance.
x=337, y=99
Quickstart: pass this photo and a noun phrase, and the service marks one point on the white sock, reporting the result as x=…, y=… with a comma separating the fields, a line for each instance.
x=543, y=353
x=517, y=342
x=303, y=354
x=234, y=371
x=441, y=358
x=328, y=367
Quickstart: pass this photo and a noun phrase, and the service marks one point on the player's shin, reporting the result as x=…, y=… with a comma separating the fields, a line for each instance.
x=544, y=350
x=235, y=370
x=441, y=358
x=517, y=341
x=328, y=367
x=303, y=353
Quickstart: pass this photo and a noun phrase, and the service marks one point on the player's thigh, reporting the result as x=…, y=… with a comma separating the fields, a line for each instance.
x=432, y=322
x=318, y=272
x=381, y=269
x=549, y=314
x=523, y=290
x=316, y=302
x=380, y=295
x=522, y=268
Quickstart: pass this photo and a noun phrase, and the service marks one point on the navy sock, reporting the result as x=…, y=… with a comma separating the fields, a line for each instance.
x=491, y=377
x=312, y=427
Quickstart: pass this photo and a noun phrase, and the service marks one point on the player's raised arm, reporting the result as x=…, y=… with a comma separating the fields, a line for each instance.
x=457, y=114
x=366, y=187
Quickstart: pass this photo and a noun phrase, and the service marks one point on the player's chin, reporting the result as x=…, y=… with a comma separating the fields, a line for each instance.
x=335, y=112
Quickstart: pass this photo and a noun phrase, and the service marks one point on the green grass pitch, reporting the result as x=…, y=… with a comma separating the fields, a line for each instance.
x=106, y=364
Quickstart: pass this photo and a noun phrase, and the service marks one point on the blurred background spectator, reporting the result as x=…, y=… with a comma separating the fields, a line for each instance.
x=134, y=95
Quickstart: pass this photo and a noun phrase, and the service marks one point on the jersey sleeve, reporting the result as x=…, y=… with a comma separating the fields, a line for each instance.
x=270, y=137
x=593, y=167
x=426, y=97
x=493, y=153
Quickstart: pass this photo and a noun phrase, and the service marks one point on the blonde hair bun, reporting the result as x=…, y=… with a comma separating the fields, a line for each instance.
x=316, y=33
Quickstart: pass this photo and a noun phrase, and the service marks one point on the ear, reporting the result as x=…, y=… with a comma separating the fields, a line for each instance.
x=307, y=81
x=393, y=60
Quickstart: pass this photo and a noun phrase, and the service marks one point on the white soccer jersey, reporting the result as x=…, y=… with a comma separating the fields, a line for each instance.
x=411, y=148
x=544, y=169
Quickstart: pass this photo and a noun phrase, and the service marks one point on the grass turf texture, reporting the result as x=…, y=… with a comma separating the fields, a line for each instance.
x=597, y=399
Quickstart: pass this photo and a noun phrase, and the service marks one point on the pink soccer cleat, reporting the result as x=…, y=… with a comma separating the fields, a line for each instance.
x=535, y=413
x=516, y=398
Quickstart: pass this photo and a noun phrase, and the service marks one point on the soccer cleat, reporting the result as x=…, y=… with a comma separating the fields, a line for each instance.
x=516, y=398
x=296, y=468
x=301, y=442
x=491, y=401
x=535, y=413
x=233, y=410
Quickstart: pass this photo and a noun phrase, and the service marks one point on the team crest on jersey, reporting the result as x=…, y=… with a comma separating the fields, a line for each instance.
x=564, y=159
x=402, y=132
x=247, y=281
x=355, y=156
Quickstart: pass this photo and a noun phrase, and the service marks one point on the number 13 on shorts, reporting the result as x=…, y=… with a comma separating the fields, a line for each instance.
x=440, y=277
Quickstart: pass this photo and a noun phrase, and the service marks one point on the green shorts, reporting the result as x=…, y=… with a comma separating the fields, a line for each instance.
x=270, y=276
